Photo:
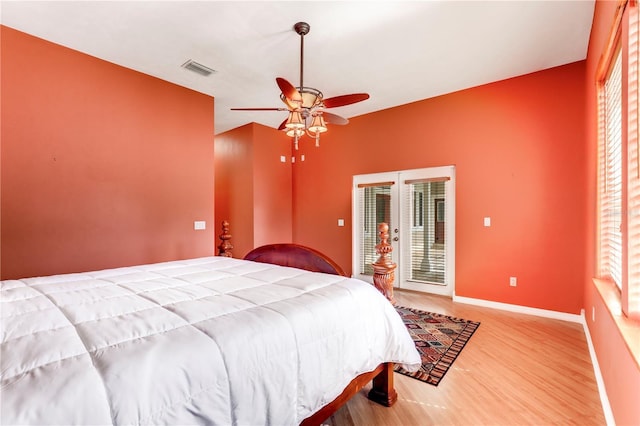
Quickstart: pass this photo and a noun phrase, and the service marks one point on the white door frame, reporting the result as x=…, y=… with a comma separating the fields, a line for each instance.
x=401, y=214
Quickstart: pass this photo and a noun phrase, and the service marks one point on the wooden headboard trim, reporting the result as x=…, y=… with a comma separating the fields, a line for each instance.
x=295, y=256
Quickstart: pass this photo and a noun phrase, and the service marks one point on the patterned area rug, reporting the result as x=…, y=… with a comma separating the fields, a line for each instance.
x=438, y=338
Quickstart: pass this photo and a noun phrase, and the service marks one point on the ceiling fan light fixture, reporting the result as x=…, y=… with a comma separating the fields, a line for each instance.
x=295, y=132
x=318, y=125
x=310, y=97
x=295, y=121
x=306, y=105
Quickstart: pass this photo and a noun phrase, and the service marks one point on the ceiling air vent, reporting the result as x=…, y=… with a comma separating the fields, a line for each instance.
x=192, y=65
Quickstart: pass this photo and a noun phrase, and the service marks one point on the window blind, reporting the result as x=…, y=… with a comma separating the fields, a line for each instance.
x=633, y=169
x=376, y=202
x=425, y=200
x=611, y=174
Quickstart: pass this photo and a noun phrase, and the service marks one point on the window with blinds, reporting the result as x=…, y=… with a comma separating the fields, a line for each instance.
x=633, y=169
x=611, y=172
x=375, y=200
x=619, y=159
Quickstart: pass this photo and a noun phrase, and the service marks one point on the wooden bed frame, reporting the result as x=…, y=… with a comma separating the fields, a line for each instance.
x=298, y=256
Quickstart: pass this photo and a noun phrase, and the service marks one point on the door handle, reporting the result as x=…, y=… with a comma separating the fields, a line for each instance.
x=395, y=238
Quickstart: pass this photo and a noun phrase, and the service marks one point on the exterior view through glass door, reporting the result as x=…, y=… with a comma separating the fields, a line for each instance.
x=419, y=206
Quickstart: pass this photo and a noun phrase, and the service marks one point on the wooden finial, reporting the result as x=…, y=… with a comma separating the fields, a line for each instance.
x=384, y=268
x=225, y=246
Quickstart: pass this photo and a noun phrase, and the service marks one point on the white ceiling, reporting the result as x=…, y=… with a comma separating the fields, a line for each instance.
x=398, y=52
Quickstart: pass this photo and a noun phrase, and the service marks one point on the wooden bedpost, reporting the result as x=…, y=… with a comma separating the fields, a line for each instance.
x=225, y=246
x=383, y=391
x=384, y=268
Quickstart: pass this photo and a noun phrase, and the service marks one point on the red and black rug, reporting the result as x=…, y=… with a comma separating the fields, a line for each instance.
x=439, y=340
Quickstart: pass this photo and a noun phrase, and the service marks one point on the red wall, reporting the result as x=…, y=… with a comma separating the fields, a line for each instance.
x=102, y=166
x=620, y=371
x=518, y=147
x=253, y=186
x=273, y=210
x=234, y=186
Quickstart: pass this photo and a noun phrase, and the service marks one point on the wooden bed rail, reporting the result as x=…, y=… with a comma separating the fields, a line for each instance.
x=382, y=392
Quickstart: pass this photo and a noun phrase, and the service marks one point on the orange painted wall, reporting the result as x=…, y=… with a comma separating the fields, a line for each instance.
x=253, y=186
x=234, y=186
x=621, y=373
x=273, y=212
x=102, y=166
x=518, y=148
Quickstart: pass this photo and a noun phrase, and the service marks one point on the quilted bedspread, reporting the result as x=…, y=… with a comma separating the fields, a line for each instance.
x=202, y=341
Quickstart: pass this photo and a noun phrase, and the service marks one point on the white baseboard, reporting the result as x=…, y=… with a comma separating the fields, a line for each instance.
x=520, y=309
x=604, y=400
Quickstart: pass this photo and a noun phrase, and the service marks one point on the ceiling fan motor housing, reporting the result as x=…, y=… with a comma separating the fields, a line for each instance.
x=311, y=97
x=302, y=28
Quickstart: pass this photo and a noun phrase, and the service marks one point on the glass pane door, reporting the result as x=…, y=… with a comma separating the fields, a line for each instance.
x=375, y=207
x=427, y=232
x=375, y=200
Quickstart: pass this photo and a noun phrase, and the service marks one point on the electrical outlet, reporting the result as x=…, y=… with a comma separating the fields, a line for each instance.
x=513, y=281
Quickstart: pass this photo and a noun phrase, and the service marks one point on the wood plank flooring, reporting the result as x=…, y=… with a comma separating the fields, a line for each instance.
x=516, y=370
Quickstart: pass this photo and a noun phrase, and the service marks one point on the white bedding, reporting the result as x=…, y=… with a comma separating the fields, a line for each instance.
x=203, y=341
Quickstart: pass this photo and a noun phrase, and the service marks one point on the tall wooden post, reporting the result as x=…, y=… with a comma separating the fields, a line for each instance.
x=384, y=268
x=225, y=246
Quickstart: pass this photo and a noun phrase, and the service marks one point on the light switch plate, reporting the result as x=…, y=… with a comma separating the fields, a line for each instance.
x=487, y=221
x=199, y=225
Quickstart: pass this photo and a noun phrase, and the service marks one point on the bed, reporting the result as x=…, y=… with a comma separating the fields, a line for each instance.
x=212, y=340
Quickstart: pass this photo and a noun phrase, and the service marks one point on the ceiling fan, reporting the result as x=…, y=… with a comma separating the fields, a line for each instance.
x=307, y=105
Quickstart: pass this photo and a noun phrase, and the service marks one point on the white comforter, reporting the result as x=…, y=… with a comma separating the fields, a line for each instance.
x=203, y=341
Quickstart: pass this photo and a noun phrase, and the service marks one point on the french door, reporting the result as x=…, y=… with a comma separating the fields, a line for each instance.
x=419, y=207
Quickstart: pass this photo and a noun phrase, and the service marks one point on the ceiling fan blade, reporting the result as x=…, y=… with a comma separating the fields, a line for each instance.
x=283, y=124
x=288, y=89
x=293, y=98
x=343, y=100
x=259, y=109
x=333, y=118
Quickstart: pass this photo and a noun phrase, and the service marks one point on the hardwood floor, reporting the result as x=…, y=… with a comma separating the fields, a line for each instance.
x=516, y=370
